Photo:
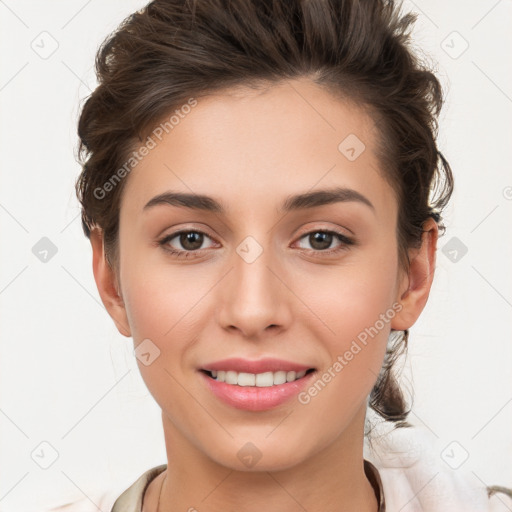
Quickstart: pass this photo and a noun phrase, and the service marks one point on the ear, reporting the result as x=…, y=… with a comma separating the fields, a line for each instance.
x=107, y=284
x=414, y=286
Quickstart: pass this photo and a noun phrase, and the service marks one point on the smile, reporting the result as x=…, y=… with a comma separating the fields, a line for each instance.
x=260, y=380
x=256, y=385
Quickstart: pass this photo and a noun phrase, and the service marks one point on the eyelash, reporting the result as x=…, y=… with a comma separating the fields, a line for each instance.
x=345, y=243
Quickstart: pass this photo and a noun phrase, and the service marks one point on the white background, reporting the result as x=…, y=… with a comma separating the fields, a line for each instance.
x=67, y=376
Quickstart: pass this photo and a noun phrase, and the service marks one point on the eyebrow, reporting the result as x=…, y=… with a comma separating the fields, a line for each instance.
x=292, y=203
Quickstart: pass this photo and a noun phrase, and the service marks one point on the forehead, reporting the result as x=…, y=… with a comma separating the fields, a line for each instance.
x=251, y=148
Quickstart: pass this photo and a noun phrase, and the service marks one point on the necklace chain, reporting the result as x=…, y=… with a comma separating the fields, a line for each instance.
x=379, y=486
x=160, y=494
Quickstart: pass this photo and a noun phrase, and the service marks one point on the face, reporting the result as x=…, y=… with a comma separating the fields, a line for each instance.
x=257, y=285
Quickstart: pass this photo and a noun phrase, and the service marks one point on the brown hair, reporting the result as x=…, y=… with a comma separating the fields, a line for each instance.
x=173, y=50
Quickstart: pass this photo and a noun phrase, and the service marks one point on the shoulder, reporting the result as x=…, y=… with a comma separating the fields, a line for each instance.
x=418, y=474
x=127, y=500
x=93, y=502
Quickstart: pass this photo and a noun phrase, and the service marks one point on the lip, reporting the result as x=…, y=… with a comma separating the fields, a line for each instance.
x=253, y=398
x=268, y=364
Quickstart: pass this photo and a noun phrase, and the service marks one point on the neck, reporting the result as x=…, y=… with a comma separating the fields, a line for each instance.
x=333, y=480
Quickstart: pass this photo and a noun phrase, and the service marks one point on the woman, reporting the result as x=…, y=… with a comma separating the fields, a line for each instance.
x=263, y=192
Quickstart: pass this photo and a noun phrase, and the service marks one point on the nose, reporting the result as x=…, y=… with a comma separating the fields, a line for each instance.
x=254, y=298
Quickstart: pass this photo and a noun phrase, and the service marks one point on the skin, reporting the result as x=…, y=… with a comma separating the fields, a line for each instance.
x=250, y=150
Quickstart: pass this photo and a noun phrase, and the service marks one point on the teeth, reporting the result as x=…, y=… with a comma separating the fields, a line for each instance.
x=260, y=380
x=244, y=379
x=279, y=377
x=231, y=378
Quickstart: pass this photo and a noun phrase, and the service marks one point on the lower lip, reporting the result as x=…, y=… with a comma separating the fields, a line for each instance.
x=253, y=398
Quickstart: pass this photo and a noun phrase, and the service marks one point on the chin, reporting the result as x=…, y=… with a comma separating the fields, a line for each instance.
x=260, y=455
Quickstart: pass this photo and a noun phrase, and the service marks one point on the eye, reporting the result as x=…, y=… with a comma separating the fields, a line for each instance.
x=188, y=241
x=321, y=241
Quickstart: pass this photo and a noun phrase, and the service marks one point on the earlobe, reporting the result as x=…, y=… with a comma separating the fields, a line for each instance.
x=107, y=284
x=415, y=286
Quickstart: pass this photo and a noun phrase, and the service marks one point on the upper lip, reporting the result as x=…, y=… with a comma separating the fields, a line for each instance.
x=259, y=366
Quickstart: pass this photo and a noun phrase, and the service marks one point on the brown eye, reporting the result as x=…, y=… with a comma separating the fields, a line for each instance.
x=320, y=240
x=191, y=240
x=185, y=243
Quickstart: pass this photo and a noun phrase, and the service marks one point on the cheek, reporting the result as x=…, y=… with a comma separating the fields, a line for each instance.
x=356, y=306
x=154, y=307
x=354, y=298
x=161, y=300
x=164, y=308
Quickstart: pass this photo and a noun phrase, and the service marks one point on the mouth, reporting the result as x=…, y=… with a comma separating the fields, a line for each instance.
x=260, y=380
x=273, y=385
x=256, y=385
